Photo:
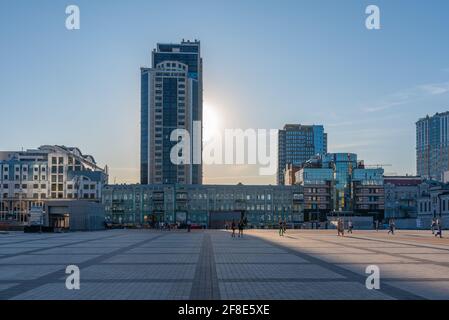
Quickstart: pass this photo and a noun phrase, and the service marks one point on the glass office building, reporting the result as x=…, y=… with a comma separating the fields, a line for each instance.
x=342, y=165
x=297, y=144
x=171, y=98
x=337, y=183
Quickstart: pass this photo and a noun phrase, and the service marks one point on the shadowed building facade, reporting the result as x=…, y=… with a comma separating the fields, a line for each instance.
x=172, y=98
x=205, y=205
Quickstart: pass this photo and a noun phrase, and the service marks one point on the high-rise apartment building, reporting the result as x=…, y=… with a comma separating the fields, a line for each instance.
x=172, y=98
x=297, y=144
x=432, y=146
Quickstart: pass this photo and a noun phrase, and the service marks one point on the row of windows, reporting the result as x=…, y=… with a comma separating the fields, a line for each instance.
x=24, y=186
x=44, y=186
x=24, y=169
x=24, y=177
x=204, y=196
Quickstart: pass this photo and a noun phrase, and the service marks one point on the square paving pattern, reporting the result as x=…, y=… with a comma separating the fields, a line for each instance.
x=210, y=264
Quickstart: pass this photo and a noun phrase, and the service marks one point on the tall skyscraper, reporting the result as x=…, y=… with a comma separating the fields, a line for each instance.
x=297, y=144
x=171, y=98
x=432, y=146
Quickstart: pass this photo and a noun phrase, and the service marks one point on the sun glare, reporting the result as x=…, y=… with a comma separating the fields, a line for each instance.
x=211, y=122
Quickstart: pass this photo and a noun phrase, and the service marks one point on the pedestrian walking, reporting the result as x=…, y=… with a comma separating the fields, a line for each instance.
x=439, y=226
x=284, y=226
x=189, y=226
x=376, y=225
x=433, y=226
x=241, y=228
x=350, y=226
x=391, y=227
x=340, y=227
x=281, y=229
x=233, y=229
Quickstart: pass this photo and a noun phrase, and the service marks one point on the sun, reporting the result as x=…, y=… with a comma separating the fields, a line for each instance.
x=211, y=122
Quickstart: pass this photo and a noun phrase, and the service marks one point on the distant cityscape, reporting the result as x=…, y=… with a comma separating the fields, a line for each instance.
x=314, y=187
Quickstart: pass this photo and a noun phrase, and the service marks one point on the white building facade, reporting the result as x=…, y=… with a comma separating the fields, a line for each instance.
x=32, y=177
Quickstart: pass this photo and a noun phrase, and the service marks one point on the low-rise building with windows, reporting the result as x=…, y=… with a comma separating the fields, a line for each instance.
x=433, y=203
x=211, y=206
x=30, y=178
x=401, y=195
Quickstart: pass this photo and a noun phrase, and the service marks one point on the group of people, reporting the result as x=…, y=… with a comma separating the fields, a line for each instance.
x=282, y=228
x=240, y=225
x=438, y=227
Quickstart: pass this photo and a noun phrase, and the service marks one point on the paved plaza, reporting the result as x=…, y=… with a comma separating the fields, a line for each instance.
x=147, y=264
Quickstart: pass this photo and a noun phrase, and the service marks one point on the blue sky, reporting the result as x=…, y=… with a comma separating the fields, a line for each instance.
x=266, y=63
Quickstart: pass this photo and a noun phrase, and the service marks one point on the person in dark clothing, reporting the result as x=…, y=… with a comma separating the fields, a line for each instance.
x=233, y=229
x=241, y=228
x=433, y=226
x=350, y=226
x=439, y=226
x=391, y=226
